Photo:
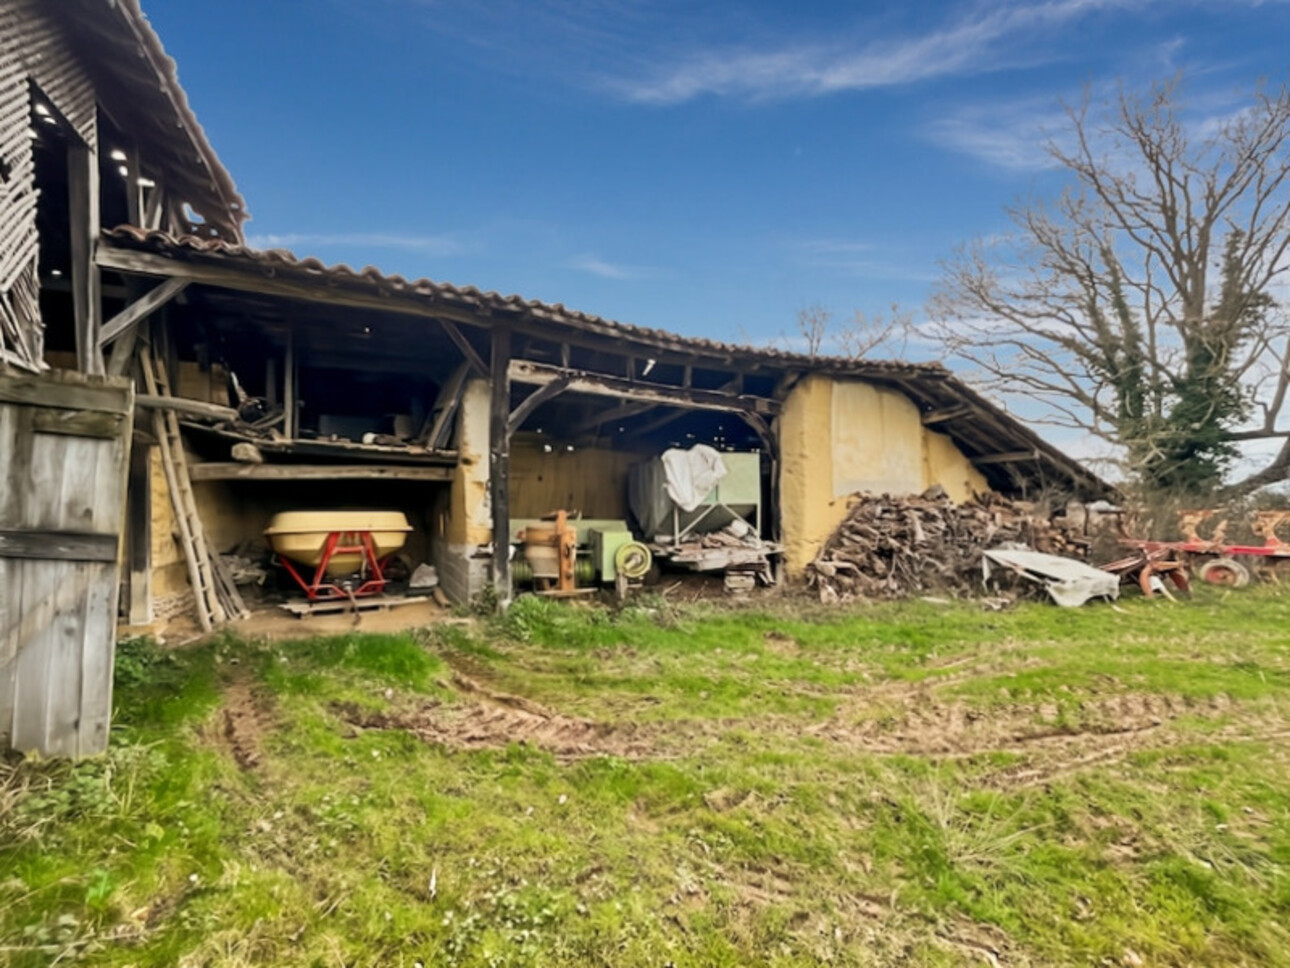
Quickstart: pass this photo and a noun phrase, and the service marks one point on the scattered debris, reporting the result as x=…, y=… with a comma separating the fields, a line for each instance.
x=1069, y=583
x=892, y=547
x=423, y=577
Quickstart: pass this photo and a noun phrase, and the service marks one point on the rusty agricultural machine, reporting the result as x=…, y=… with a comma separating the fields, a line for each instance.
x=1213, y=560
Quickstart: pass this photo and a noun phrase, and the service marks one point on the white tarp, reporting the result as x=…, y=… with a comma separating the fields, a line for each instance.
x=1070, y=583
x=692, y=474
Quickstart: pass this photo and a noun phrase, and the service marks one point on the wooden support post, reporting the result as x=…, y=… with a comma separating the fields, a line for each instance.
x=270, y=380
x=87, y=300
x=499, y=461
x=134, y=202
x=291, y=422
x=139, y=611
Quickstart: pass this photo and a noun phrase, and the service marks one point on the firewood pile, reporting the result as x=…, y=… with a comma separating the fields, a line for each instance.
x=893, y=547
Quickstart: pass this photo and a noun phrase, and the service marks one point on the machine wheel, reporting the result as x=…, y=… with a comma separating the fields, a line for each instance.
x=1227, y=572
x=633, y=560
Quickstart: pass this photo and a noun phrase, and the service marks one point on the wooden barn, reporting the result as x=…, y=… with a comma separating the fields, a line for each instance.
x=165, y=390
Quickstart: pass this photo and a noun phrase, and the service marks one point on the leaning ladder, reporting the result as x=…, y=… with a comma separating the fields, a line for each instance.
x=212, y=593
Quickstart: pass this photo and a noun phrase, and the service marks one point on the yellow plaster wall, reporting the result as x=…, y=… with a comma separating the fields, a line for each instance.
x=469, y=520
x=169, y=570
x=842, y=437
x=947, y=467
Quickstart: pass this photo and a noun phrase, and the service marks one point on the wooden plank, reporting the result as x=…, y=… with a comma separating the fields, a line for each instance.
x=446, y=407
x=77, y=423
x=233, y=471
x=141, y=308
x=1011, y=457
x=946, y=414
x=581, y=381
x=499, y=462
x=375, y=603
x=98, y=659
x=389, y=454
x=87, y=301
x=58, y=545
x=41, y=581
x=463, y=344
x=196, y=408
x=534, y=400
x=56, y=389
x=291, y=421
x=139, y=556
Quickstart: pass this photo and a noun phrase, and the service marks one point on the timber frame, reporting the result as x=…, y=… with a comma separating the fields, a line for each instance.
x=546, y=368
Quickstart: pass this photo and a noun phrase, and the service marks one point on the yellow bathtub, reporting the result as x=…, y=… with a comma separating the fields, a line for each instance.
x=302, y=535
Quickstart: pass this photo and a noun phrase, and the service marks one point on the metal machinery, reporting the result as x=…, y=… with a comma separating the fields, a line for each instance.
x=721, y=534
x=347, y=550
x=565, y=556
x=1216, y=560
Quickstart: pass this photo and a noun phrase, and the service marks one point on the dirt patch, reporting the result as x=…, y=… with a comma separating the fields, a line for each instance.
x=246, y=717
x=924, y=726
x=487, y=719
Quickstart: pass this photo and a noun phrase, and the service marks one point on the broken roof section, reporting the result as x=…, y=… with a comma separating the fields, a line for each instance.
x=139, y=86
x=1011, y=456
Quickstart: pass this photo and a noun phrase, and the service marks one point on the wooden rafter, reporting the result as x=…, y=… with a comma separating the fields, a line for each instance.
x=463, y=344
x=534, y=400
x=1010, y=457
x=146, y=305
x=581, y=381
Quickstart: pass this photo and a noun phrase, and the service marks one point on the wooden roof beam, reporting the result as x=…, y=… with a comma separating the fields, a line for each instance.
x=1010, y=457
x=524, y=371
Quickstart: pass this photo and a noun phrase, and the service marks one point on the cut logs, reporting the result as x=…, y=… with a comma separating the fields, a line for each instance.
x=893, y=547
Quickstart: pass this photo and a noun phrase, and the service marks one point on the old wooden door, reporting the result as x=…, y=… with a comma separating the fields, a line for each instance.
x=64, y=450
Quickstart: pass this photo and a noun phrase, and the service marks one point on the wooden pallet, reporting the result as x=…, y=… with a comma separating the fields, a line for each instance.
x=377, y=603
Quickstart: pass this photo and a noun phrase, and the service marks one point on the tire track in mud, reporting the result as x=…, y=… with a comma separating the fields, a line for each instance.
x=1051, y=739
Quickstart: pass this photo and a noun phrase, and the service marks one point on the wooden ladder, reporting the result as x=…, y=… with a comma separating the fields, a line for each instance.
x=217, y=597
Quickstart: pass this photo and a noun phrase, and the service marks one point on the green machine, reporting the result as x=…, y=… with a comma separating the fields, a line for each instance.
x=615, y=551
x=606, y=549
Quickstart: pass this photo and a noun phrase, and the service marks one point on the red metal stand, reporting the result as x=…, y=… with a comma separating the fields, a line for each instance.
x=356, y=542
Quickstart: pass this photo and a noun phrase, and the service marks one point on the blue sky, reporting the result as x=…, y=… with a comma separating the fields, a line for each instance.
x=705, y=168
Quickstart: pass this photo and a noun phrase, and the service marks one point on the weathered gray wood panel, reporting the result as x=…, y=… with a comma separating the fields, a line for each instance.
x=65, y=494
x=33, y=50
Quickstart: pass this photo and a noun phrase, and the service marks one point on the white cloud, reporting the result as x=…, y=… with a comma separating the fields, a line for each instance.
x=980, y=41
x=1011, y=135
x=437, y=245
x=861, y=259
x=590, y=263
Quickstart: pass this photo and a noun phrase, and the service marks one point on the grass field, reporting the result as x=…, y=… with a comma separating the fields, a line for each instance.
x=910, y=784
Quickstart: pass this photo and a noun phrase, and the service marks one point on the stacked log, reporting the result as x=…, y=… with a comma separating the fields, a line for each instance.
x=893, y=547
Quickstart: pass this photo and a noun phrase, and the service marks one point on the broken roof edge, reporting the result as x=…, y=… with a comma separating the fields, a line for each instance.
x=231, y=210
x=937, y=382
x=274, y=262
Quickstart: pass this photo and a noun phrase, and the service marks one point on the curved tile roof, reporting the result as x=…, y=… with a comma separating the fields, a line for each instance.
x=235, y=254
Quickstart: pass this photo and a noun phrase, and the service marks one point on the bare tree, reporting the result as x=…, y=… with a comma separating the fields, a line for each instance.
x=1138, y=305
x=812, y=327
x=866, y=334
x=855, y=339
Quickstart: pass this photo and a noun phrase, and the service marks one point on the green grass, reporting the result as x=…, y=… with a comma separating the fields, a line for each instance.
x=904, y=784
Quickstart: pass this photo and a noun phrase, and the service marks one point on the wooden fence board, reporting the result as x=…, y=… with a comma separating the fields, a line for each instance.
x=62, y=497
